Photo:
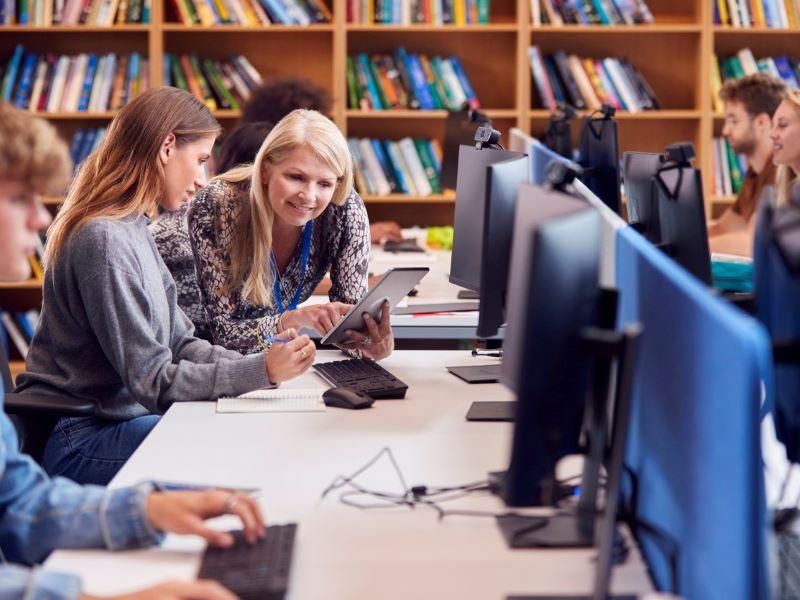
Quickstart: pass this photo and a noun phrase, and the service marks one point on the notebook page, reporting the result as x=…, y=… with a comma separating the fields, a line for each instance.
x=277, y=400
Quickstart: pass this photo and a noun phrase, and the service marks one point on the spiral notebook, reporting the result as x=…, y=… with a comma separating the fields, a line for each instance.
x=275, y=400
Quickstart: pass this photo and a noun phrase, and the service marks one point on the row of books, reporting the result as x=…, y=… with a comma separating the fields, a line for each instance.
x=402, y=80
x=255, y=13
x=744, y=63
x=83, y=143
x=17, y=329
x=82, y=83
x=590, y=12
x=586, y=83
x=429, y=12
x=408, y=166
x=729, y=168
x=219, y=84
x=74, y=12
x=772, y=14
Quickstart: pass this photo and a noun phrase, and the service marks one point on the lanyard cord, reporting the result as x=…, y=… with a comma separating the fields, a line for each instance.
x=307, y=231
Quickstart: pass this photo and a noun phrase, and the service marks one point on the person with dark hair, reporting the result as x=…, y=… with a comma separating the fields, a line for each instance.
x=241, y=146
x=280, y=96
x=750, y=103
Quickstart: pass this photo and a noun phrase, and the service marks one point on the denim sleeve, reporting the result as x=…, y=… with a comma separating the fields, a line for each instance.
x=39, y=514
x=21, y=583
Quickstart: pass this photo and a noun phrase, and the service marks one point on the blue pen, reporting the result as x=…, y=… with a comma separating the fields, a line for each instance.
x=169, y=486
x=275, y=340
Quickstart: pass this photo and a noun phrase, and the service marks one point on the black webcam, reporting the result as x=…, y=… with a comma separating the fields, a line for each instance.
x=681, y=153
x=486, y=137
x=561, y=174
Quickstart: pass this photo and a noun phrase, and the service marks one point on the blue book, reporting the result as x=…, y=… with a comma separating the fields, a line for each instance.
x=372, y=90
x=25, y=81
x=552, y=75
x=86, y=92
x=384, y=162
x=421, y=90
x=24, y=326
x=87, y=145
x=133, y=73
x=396, y=12
x=276, y=11
x=75, y=145
x=167, y=71
x=217, y=18
x=11, y=73
x=464, y=81
x=398, y=172
x=785, y=71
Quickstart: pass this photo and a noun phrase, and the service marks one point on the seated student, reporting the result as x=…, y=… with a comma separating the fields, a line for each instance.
x=785, y=138
x=750, y=103
x=38, y=514
x=280, y=96
x=264, y=235
x=111, y=331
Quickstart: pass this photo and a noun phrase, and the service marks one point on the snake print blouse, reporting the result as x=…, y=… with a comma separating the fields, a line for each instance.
x=340, y=243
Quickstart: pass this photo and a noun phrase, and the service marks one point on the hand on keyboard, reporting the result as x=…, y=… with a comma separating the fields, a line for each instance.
x=378, y=340
x=186, y=512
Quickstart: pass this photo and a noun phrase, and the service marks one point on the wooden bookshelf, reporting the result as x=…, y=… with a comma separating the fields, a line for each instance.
x=674, y=55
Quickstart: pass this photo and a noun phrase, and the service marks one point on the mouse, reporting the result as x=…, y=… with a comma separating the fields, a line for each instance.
x=342, y=397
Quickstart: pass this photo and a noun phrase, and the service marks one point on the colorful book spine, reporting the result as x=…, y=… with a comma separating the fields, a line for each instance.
x=407, y=166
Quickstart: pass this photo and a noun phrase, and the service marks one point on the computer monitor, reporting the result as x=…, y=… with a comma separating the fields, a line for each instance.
x=552, y=296
x=540, y=155
x=599, y=156
x=465, y=266
x=638, y=175
x=681, y=213
x=502, y=185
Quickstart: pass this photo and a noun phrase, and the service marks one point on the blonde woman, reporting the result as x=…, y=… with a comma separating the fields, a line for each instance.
x=786, y=145
x=264, y=235
x=111, y=330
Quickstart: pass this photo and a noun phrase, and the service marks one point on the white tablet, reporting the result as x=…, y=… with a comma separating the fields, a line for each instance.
x=393, y=286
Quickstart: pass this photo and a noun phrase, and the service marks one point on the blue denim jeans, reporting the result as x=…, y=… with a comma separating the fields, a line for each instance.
x=92, y=450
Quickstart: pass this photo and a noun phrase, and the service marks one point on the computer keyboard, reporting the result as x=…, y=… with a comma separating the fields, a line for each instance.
x=258, y=571
x=363, y=375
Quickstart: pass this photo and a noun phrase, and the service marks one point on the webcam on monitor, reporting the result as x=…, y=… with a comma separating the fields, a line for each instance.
x=681, y=152
x=487, y=137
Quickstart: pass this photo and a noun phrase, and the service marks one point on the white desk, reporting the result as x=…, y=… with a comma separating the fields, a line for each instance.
x=343, y=552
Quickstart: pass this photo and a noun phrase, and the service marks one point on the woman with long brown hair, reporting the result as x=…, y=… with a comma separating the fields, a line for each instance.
x=111, y=330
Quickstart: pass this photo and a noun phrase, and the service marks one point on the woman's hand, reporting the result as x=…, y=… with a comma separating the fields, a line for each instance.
x=378, y=342
x=286, y=360
x=174, y=590
x=385, y=230
x=319, y=317
x=186, y=512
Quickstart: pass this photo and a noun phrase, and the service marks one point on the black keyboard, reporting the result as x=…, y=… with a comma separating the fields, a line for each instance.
x=258, y=571
x=363, y=375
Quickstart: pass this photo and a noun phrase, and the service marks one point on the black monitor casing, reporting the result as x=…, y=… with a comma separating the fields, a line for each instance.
x=599, y=156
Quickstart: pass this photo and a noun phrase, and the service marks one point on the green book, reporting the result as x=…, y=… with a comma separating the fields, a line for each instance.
x=226, y=98
x=437, y=92
x=427, y=163
x=483, y=11
x=736, y=172
x=177, y=73
x=376, y=77
x=436, y=65
x=353, y=100
x=736, y=67
x=208, y=96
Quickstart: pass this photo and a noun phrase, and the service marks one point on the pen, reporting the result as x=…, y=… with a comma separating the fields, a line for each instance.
x=168, y=486
x=275, y=340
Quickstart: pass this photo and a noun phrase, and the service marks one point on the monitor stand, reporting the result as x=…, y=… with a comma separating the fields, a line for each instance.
x=478, y=373
x=467, y=295
x=492, y=411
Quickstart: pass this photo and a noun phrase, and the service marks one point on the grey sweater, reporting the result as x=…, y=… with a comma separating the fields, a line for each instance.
x=111, y=330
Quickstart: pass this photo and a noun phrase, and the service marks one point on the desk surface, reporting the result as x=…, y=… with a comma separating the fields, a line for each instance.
x=344, y=552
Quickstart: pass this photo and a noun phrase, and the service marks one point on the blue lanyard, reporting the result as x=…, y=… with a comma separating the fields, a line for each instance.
x=309, y=227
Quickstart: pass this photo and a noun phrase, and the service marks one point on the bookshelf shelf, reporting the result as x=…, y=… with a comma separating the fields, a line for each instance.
x=30, y=284
x=188, y=29
x=648, y=115
x=725, y=200
x=749, y=31
x=448, y=197
x=489, y=28
x=78, y=116
x=16, y=367
x=74, y=29
x=496, y=113
x=617, y=29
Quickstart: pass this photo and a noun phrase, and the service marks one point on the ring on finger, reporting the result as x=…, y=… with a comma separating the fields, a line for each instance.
x=303, y=353
x=230, y=504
